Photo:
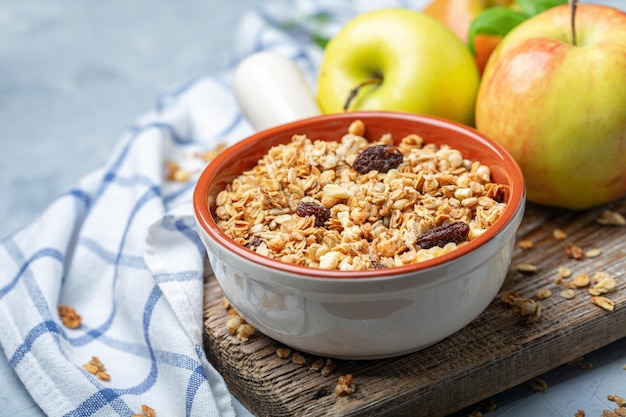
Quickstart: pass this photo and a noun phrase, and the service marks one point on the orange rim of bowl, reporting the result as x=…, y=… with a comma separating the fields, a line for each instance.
x=231, y=154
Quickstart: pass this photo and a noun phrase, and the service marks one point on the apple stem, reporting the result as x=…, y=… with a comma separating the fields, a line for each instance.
x=355, y=90
x=572, y=8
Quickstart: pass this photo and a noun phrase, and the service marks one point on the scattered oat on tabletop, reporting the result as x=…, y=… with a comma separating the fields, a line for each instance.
x=559, y=234
x=69, y=317
x=530, y=309
x=145, y=412
x=236, y=325
x=544, y=293
x=245, y=331
x=579, y=413
x=526, y=268
x=283, y=352
x=603, y=302
x=329, y=366
x=510, y=298
x=233, y=323
x=538, y=384
x=611, y=218
x=565, y=272
x=604, y=286
x=96, y=367
x=581, y=280
x=526, y=244
x=298, y=359
x=526, y=307
x=345, y=385
x=568, y=294
x=574, y=251
x=317, y=365
x=599, y=276
x=593, y=253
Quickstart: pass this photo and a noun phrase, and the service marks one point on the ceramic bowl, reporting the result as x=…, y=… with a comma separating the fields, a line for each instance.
x=367, y=314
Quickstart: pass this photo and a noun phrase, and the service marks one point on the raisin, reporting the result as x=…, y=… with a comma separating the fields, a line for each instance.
x=378, y=157
x=321, y=213
x=253, y=243
x=442, y=235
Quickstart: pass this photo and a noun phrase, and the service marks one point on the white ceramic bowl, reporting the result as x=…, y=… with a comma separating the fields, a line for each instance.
x=368, y=314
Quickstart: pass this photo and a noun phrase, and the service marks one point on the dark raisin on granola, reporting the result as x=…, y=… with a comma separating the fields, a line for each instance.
x=381, y=158
x=254, y=243
x=444, y=234
x=321, y=213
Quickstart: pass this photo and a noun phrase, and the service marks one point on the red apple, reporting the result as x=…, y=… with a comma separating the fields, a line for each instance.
x=559, y=106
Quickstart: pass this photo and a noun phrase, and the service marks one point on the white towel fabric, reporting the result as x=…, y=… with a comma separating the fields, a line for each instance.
x=121, y=248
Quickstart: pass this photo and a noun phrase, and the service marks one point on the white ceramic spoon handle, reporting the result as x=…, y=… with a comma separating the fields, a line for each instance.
x=271, y=90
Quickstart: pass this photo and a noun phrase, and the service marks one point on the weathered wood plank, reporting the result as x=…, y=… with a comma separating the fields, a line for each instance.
x=496, y=351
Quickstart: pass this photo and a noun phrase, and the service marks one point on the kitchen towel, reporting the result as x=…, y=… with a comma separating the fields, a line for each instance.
x=120, y=248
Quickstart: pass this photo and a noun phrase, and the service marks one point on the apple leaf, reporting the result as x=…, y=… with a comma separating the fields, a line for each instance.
x=534, y=7
x=497, y=21
x=320, y=40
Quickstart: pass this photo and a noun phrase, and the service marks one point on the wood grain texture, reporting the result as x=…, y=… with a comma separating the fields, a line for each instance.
x=496, y=351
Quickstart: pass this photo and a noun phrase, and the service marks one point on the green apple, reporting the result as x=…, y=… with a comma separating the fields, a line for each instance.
x=559, y=106
x=402, y=60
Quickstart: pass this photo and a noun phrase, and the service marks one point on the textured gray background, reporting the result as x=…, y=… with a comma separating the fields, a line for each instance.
x=75, y=73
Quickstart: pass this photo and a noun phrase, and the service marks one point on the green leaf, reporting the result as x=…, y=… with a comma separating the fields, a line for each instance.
x=320, y=40
x=534, y=7
x=497, y=21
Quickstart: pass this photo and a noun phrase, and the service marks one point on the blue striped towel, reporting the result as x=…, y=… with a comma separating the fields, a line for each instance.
x=121, y=249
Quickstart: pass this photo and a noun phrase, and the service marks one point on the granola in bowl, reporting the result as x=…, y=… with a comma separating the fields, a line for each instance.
x=310, y=205
x=356, y=205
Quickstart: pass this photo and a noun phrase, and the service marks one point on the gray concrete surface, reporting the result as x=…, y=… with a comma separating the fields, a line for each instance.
x=75, y=73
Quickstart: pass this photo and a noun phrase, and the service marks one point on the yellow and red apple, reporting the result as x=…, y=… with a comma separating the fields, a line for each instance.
x=559, y=105
x=458, y=16
x=398, y=59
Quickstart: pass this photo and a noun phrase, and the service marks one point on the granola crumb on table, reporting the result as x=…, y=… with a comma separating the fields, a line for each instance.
x=375, y=218
x=345, y=385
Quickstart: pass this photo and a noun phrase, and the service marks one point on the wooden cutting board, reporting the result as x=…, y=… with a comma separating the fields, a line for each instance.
x=498, y=350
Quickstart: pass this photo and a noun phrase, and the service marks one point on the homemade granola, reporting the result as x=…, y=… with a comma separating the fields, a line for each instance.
x=69, y=317
x=304, y=202
x=95, y=367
